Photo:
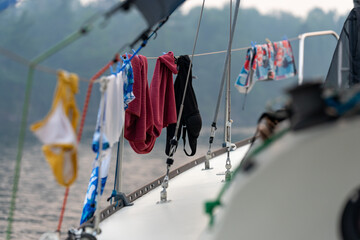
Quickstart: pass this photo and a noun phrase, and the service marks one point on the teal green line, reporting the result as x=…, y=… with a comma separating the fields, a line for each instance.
x=19, y=153
x=211, y=205
x=65, y=42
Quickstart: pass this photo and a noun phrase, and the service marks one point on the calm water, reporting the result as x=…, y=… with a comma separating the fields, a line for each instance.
x=39, y=197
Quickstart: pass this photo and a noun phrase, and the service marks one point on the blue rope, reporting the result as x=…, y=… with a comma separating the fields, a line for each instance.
x=343, y=108
x=127, y=61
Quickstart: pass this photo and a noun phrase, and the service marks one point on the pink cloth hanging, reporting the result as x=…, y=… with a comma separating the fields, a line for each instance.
x=139, y=123
x=152, y=110
x=162, y=92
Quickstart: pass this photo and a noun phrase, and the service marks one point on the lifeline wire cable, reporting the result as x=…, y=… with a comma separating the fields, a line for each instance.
x=17, y=58
x=222, y=51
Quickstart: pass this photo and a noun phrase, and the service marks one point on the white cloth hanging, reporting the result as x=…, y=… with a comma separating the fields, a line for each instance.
x=58, y=129
x=114, y=108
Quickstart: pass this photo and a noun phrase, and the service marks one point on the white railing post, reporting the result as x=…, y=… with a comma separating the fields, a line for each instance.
x=301, y=50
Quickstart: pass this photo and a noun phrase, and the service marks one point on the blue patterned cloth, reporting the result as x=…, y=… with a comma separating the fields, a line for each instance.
x=264, y=60
x=271, y=61
x=91, y=194
x=128, y=85
x=284, y=60
x=244, y=80
x=96, y=136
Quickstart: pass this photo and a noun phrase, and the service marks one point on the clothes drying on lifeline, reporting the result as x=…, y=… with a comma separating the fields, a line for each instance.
x=190, y=122
x=57, y=130
x=162, y=94
x=154, y=108
x=271, y=61
x=117, y=95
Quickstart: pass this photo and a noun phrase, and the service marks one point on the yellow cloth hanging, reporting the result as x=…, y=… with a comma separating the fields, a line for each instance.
x=57, y=130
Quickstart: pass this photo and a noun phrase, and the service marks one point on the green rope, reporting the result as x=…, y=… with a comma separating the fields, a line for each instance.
x=68, y=40
x=211, y=205
x=19, y=153
x=65, y=42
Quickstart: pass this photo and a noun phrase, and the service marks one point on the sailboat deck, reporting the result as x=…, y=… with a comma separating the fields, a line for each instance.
x=184, y=210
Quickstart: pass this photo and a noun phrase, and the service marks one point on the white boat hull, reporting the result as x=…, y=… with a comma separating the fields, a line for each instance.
x=298, y=188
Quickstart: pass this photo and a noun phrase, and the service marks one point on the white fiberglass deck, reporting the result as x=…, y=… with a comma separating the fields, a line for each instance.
x=181, y=218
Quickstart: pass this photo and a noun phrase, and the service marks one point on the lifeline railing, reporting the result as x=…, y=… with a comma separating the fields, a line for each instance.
x=140, y=192
x=302, y=38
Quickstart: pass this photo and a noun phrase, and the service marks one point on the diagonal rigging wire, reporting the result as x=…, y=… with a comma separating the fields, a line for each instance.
x=173, y=143
x=188, y=73
x=226, y=63
x=227, y=128
x=227, y=60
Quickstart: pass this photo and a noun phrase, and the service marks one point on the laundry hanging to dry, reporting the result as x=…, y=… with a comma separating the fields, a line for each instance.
x=117, y=96
x=154, y=108
x=190, y=122
x=270, y=61
x=57, y=130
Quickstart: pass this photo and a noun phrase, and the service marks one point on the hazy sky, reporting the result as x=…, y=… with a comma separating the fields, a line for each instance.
x=298, y=7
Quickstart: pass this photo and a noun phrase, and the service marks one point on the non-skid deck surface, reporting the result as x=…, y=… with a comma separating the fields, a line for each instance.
x=181, y=218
